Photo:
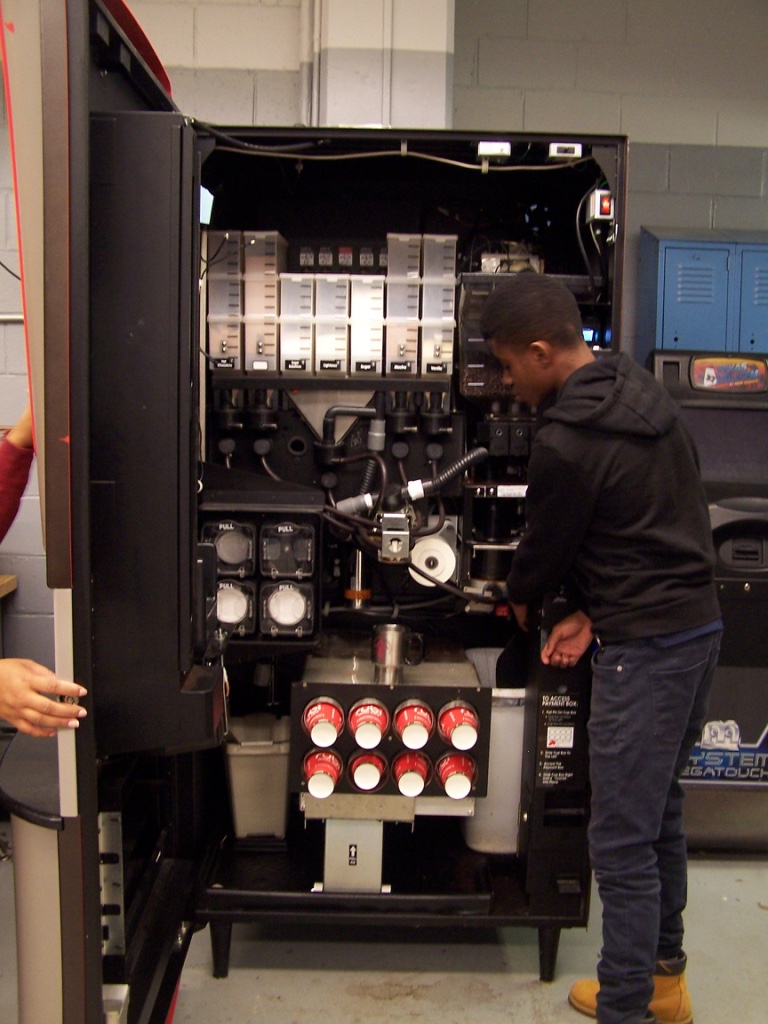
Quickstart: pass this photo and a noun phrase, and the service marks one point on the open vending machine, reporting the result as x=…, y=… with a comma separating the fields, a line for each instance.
x=283, y=488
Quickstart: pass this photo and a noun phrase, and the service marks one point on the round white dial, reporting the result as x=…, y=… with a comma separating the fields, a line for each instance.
x=232, y=547
x=231, y=605
x=287, y=607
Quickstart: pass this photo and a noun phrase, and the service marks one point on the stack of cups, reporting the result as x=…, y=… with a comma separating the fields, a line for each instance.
x=368, y=721
x=322, y=770
x=457, y=724
x=323, y=720
x=367, y=770
x=414, y=723
x=411, y=771
x=457, y=773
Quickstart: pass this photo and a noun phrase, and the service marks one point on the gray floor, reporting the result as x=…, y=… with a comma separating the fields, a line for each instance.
x=299, y=977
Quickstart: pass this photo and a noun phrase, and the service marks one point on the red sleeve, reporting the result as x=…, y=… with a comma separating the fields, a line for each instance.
x=14, y=474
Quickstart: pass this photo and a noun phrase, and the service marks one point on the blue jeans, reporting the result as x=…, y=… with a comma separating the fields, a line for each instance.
x=647, y=710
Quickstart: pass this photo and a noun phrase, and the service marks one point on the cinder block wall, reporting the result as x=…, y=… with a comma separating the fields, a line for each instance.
x=231, y=63
x=683, y=81
x=686, y=73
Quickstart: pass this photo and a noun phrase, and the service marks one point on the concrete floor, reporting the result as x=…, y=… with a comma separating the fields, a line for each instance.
x=299, y=976
x=292, y=977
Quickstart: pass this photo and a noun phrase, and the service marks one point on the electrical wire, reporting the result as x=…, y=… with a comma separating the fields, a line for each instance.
x=298, y=151
x=394, y=609
x=451, y=589
x=582, y=247
x=11, y=272
x=350, y=520
x=370, y=456
x=211, y=359
x=492, y=168
x=212, y=259
x=268, y=469
x=217, y=133
x=427, y=531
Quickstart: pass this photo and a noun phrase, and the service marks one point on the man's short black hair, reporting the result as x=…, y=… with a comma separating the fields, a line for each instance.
x=531, y=307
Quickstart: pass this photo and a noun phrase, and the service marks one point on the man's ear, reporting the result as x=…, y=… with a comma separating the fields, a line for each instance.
x=542, y=353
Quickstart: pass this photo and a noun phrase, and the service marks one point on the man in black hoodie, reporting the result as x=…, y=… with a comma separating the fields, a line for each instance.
x=615, y=505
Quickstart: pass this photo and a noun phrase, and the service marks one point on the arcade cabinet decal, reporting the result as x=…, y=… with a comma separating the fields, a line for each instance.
x=720, y=756
x=728, y=373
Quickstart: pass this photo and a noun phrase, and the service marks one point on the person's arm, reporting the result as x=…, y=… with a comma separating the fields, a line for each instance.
x=20, y=433
x=559, y=509
x=15, y=462
x=520, y=611
x=24, y=700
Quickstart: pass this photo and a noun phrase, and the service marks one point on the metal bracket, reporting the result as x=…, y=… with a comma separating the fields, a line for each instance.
x=111, y=883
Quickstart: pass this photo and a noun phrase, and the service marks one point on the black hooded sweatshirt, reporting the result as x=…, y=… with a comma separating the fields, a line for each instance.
x=615, y=503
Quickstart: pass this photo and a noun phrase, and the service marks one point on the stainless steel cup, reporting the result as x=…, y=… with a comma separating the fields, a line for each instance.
x=392, y=647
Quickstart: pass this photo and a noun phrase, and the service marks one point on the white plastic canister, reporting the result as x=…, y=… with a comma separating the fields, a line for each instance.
x=494, y=826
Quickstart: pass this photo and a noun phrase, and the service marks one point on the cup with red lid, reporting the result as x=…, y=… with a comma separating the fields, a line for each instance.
x=323, y=720
x=367, y=769
x=457, y=773
x=411, y=771
x=414, y=723
x=458, y=724
x=368, y=721
x=322, y=771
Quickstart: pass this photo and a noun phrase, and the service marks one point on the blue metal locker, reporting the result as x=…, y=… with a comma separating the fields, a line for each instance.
x=702, y=290
x=694, y=307
x=753, y=304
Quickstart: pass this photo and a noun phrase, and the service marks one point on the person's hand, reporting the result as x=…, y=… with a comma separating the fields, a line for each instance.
x=23, y=701
x=20, y=433
x=567, y=641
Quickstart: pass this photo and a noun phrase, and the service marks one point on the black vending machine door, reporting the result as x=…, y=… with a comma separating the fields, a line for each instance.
x=114, y=372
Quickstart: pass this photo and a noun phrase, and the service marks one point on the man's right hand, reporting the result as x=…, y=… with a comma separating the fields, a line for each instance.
x=567, y=641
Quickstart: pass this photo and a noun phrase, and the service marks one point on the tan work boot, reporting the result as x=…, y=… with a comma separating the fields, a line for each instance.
x=671, y=1002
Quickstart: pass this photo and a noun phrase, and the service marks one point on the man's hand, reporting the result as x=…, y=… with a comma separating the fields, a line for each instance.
x=24, y=703
x=567, y=641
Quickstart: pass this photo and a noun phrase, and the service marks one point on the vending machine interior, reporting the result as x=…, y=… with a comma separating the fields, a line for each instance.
x=363, y=471
x=297, y=485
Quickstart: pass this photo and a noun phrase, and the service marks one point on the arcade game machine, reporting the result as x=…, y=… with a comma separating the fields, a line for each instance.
x=292, y=491
x=724, y=400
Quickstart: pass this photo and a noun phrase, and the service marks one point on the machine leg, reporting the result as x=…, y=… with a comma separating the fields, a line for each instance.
x=221, y=940
x=549, y=940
